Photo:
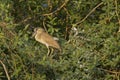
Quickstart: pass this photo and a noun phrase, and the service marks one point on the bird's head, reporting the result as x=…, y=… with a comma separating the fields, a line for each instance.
x=37, y=30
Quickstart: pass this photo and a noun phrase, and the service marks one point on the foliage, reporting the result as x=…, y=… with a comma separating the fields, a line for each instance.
x=88, y=33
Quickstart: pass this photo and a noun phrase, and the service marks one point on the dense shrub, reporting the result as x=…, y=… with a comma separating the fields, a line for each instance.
x=88, y=33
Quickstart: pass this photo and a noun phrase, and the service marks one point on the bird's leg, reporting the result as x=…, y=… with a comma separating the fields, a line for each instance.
x=48, y=51
x=52, y=50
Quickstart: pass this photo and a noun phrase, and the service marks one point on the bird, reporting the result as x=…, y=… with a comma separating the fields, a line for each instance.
x=46, y=39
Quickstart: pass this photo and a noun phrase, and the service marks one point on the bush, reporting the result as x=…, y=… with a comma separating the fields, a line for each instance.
x=88, y=33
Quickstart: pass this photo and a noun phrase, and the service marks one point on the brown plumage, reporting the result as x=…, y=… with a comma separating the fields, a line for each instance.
x=46, y=39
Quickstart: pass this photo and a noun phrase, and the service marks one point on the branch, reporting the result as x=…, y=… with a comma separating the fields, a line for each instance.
x=58, y=9
x=44, y=25
x=5, y=70
x=109, y=71
x=89, y=14
x=116, y=11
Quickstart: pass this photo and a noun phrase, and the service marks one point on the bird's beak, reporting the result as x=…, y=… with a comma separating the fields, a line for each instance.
x=33, y=34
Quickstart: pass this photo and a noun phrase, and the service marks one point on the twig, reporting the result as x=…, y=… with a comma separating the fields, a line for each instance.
x=113, y=72
x=58, y=9
x=89, y=13
x=116, y=11
x=44, y=26
x=66, y=11
x=5, y=70
x=49, y=4
x=25, y=20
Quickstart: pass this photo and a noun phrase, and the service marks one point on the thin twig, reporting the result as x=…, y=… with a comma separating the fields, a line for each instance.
x=113, y=72
x=50, y=5
x=44, y=25
x=5, y=70
x=66, y=11
x=89, y=13
x=116, y=11
x=58, y=9
x=25, y=20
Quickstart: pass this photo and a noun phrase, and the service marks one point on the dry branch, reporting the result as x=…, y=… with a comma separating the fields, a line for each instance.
x=89, y=14
x=5, y=70
x=58, y=9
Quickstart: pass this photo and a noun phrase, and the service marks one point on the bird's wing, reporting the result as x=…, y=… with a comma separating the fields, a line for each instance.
x=49, y=40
